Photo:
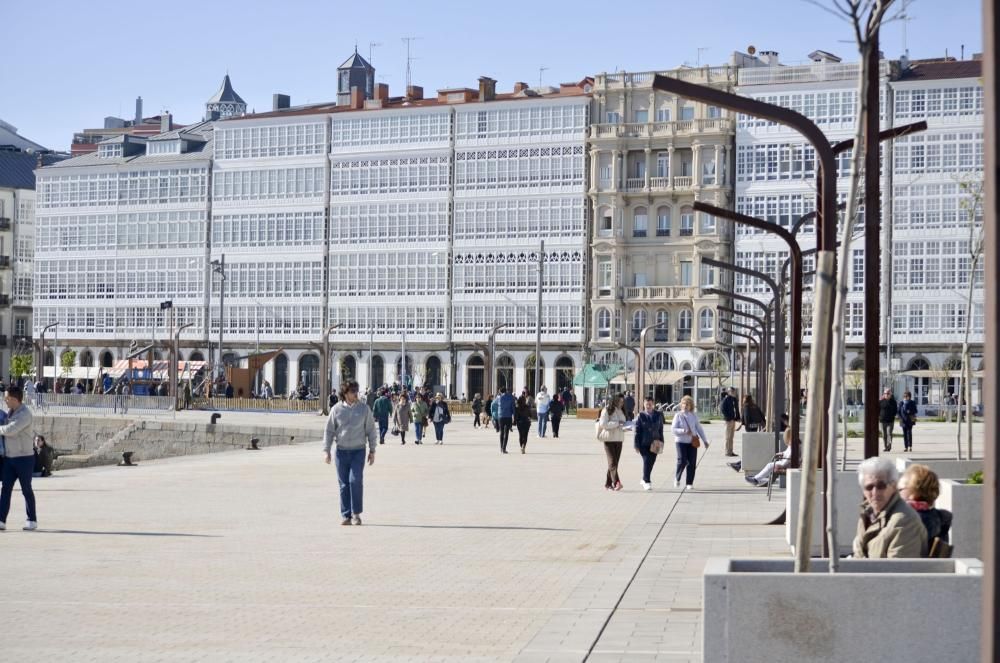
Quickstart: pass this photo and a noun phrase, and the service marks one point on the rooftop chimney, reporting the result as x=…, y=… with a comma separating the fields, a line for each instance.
x=414, y=92
x=357, y=98
x=382, y=92
x=138, y=111
x=487, y=88
x=166, y=121
x=770, y=58
x=280, y=101
x=520, y=87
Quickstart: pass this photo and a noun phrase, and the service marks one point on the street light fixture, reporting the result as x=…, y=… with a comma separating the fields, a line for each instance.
x=173, y=362
x=219, y=267
x=491, y=346
x=324, y=389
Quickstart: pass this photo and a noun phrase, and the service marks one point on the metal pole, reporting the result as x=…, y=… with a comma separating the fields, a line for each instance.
x=371, y=357
x=990, y=645
x=256, y=374
x=538, y=318
x=873, y=223
x=222, y=317
x=402, y=363
x=640, y=365
x=177, y=337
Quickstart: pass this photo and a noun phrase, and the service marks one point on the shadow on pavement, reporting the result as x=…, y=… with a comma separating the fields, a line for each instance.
x=496, y=527
x=78, y=531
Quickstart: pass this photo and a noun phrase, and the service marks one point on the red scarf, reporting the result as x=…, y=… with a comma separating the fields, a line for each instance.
x=919, y=505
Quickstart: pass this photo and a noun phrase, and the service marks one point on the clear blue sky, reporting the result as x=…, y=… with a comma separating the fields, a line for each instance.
x=68, y=63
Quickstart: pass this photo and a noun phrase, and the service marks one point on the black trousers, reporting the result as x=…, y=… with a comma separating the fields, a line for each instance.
x=687, y=460
x=907, y=436
x=886, y=434
x=505, y=425
x=648, y=460
x=523, y=428
x=555, y=426
x=475, y=419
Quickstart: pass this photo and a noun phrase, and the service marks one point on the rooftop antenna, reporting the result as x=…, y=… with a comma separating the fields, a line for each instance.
x=409, y=59
x=541, y=70
x=905, y=18
x=698, y=56
x=372, y=45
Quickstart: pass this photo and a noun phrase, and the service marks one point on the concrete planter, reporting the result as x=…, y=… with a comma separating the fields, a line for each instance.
x=760, y=611
x=588, y=413
x=756, y=451
x=848, y=508
x=944, y=468
x=965, y=501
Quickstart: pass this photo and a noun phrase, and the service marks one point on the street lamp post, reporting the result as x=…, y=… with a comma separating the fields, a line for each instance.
x=765, y=324
x=324, y=387
x=640, y=369
x=175, y=351
x=778, y=389
x=41, y=353
x=491, y=346
x=762, y=325
x=538, y=318
x=219, y=267
x=730, y=322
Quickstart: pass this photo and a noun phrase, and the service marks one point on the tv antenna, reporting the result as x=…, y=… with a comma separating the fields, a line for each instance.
x=698, y=56
x=541, y=70
x=372, y=45
x=409, y=59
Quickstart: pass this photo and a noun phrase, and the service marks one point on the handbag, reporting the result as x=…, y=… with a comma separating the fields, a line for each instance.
x=695, y=441
x=656, y=446
x=395, y=429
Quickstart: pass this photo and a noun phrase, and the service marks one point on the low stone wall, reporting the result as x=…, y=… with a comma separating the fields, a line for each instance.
x=88, y=441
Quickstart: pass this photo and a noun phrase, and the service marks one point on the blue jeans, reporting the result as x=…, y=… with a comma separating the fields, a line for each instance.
x=543, y=420
x=420, y=430
x=383, y=428
x=687, y=459
x=439, y=430
x=17, y=469
x=350, y=473
x=648, y=460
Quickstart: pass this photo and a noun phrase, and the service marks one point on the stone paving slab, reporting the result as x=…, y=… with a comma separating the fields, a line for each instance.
x=465, y=555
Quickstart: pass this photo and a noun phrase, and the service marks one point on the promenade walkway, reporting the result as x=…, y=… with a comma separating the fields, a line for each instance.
x=465, y=555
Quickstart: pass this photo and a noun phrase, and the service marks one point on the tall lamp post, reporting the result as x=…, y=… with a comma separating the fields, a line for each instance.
x=324, y=386
x=219, y=267
x=732, y=323
x=765, y=323
x=640, y=368
x=41, y=353
x=175, y=348
x=491, y=346
x=538, y=318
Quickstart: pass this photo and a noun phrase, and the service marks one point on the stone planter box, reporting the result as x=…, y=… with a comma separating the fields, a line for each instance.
x=756, y=450
x=589, y=413
x=760, y=611
x=945, y=468
x=965, y=501
x=848, y=507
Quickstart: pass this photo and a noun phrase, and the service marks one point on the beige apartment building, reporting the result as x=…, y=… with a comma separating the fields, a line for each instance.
x=652, y=155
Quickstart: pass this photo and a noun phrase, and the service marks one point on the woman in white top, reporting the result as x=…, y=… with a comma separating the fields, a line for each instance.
x=611, y=433
x=685, y=427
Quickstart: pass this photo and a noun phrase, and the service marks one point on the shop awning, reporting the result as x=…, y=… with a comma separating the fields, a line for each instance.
x=590, y=376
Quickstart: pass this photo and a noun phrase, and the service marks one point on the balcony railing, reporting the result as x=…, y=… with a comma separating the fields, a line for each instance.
x=682, y=182
x=4, y=223
x=686, y=232
x=658, y=183
x=659, y=292
x=635, y=184
x=661, y=129
x=663, y=232
x=619, y=80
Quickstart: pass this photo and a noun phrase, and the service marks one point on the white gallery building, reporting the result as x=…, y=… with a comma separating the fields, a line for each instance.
x=428, y=211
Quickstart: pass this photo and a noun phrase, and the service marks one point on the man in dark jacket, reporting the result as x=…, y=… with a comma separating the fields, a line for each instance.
x=887, y=411
x=382, y=410
x=629, y=406
x=505, y=416
x=731, y=413
x=907, y=417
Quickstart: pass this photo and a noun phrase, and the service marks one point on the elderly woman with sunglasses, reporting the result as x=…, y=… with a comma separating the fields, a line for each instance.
x=888, y=526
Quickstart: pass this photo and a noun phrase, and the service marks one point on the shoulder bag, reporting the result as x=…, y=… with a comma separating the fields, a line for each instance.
x=695, y=440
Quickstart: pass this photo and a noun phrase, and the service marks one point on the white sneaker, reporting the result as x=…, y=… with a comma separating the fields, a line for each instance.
x=689, y=487
x=3, y=526
x=677, y=483
x=30, y=525
x=647, y=486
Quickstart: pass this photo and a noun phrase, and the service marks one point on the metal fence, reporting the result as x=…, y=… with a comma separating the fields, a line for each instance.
x=99, y=404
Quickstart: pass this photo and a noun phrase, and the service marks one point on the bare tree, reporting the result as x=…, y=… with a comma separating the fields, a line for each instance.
x=972, y=208
x=865, y=18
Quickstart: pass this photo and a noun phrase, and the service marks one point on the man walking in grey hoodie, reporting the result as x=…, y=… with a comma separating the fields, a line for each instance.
x=19, y=457
x=351, y=425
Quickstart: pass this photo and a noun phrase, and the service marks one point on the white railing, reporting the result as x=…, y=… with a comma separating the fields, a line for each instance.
x=821, y=71
x=660, y=292
x=660, y=129
x=659, y=183
x=635, y=184
x=645, y=78
x=682, y=182
x=100, y=404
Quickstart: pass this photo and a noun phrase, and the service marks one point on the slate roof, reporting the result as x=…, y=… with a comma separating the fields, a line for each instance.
x=356, y=62
x=226, y=94
x=197, y=152
x=940, y=69
x=17, y=169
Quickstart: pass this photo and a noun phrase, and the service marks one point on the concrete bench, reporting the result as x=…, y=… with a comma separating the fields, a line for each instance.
x=757, y=450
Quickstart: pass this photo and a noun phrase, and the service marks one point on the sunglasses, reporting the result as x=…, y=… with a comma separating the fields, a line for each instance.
x=880, y=485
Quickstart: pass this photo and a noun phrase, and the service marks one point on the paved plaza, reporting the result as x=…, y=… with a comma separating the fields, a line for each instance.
x=465, y=554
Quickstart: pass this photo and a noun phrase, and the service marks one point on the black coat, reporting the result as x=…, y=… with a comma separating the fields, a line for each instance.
x=937, y=522
x=555, y=409
x=887, y=410
x=648, y=427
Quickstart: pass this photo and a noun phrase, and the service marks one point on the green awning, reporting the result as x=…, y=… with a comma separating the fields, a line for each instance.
x=590, y=376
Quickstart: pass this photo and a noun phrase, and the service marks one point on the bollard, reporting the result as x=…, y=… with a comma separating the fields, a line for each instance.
x=215, y=417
